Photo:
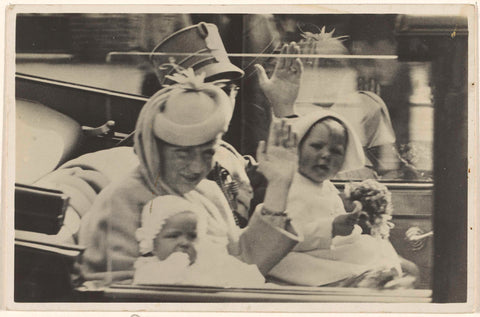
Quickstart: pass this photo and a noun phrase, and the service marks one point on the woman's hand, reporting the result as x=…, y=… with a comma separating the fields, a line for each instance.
x=278, y=158
x=278, y=163
x=283, y=87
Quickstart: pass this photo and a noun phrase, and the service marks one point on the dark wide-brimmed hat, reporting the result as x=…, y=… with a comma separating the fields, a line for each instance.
x=198, y=47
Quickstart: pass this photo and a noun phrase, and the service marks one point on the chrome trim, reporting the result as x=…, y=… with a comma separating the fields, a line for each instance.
x=416, y=238
x=326, y=56
x=80, y=87
x=392, y=184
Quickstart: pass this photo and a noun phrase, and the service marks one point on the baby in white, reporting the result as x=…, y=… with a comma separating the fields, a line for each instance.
x=175, y=249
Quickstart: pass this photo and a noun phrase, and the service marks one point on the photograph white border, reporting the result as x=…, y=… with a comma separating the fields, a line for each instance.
x=8, y=170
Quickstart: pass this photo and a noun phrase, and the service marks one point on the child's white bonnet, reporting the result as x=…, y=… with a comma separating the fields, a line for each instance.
x=354, y=155
x=157, y=211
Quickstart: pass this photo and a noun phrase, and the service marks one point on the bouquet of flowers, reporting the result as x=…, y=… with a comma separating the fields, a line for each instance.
x=376, y=206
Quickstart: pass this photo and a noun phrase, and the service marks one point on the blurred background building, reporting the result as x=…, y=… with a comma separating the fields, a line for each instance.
x=76, y=47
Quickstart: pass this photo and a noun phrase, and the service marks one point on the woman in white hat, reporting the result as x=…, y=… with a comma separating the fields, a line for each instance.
x=176, y=136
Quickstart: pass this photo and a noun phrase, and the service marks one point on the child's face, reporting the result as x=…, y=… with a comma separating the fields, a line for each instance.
x=322, y=153
x=179, y=233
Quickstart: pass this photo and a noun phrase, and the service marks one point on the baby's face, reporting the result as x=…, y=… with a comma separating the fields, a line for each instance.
x=179, y=233
x=322, y=153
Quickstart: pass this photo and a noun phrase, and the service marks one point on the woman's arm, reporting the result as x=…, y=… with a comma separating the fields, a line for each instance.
x=270, y=234
x=107, y=231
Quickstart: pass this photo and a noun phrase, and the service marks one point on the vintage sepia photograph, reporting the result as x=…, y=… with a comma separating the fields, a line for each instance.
x=269, y=155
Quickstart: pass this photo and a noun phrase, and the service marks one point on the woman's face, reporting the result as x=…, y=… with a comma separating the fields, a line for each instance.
x=185, y=166
x=179, y=234
x=322, y=152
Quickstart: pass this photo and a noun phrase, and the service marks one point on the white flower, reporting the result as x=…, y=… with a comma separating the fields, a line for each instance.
x=188, y=79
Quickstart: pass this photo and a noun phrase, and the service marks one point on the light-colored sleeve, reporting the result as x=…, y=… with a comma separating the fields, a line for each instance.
x=376, y=122
x=109, y=245
x=107, y=232
x=263, y=243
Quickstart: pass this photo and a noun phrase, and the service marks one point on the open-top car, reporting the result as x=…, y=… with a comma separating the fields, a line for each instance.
x=81, y=95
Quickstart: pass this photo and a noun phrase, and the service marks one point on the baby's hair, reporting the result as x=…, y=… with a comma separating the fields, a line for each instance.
x=333, y=125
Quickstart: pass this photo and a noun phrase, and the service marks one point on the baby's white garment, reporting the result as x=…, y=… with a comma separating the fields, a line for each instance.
x=212, y=268
x=373, y=252
x=348, y=257
x=150, y=270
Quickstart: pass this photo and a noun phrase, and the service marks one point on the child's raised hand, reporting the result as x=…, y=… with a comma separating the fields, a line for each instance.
x=283, y=87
